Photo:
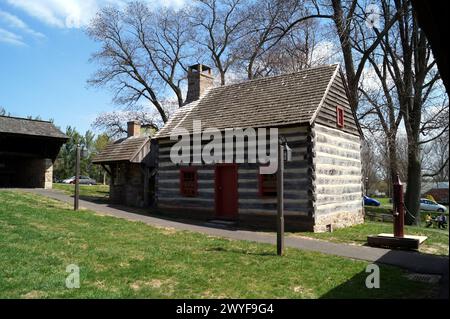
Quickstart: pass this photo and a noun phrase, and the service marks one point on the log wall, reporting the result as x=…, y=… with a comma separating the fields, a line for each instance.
x=127, y=184
x=253, y=209
x=338, y=179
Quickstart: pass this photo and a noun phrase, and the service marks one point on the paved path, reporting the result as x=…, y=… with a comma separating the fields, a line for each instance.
x=412, y=261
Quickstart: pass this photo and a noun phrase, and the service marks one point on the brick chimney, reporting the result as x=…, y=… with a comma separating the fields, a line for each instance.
x=199, y=79
x=134, y=128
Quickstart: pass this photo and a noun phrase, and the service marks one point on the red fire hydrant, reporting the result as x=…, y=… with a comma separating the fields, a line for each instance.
x=399, y=208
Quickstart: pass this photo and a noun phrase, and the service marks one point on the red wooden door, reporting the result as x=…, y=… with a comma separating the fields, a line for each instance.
x=226, y=191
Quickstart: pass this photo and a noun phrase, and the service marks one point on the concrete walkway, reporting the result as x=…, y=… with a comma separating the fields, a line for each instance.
x=412, y=261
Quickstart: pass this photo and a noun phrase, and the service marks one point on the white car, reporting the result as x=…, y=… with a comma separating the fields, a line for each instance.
x=429, y=205
x=69, y=180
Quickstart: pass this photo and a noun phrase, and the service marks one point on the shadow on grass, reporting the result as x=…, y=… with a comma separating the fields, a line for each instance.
x=393, y=281
x=354, y=288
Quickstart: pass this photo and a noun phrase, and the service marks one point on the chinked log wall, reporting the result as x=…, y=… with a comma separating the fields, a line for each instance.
x=127, y=187
x=253, y=208
x=338, y=183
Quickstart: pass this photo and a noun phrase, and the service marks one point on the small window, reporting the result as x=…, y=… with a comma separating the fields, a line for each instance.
x=340, y=116
x=188, y=182
x=268, y=185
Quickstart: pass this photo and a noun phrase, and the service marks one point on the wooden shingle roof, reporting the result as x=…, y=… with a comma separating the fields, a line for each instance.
x=22, y=126
x=267, y=102
x=132, y=149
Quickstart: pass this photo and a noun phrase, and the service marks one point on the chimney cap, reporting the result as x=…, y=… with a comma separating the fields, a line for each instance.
x=200, y=67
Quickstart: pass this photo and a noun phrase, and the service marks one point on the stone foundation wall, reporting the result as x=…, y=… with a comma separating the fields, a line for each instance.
x=127, y=185
x=338, y=220
x=27, y=172
x=48, y=173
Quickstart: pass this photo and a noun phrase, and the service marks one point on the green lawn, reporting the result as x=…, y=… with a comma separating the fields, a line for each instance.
x=97, y=193
x=437, y=242
x=119, y=258
x=386, y=208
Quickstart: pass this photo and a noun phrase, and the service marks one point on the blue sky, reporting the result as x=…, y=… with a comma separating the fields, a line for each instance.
x=44, y=60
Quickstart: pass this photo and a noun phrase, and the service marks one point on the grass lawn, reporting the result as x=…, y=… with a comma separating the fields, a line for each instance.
x=119, y=258
x=97, y=193
x=386, y=208
x=437, y=242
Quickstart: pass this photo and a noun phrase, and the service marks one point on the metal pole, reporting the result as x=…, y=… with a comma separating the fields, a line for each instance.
x=77, y=179
x=399, y=208
x=280, y=200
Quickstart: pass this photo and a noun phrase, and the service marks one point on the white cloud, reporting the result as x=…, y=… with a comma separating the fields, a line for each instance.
x=72, y=13
x=13, y=21
x=11, y=38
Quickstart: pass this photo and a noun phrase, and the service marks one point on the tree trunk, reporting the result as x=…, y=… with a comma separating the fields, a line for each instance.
x=413, y=187
x=393, y=163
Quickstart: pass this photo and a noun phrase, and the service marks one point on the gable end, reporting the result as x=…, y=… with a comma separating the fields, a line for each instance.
x=336, y=99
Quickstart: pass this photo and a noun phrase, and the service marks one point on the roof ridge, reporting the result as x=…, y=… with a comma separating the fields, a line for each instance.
x=274, y=76
x=27, y=119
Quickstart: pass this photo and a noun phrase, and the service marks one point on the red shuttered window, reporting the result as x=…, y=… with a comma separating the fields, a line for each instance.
x=268, y=185
x=188, y=182
x=340, y=116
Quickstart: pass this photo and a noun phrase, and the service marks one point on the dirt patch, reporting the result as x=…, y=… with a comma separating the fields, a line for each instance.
x=34, y=294
x=154, y=283
x=167, y=230
x=435, y=249
x=304, y=292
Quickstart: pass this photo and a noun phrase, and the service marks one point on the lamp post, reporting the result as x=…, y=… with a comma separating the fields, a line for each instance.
x=284, y=154
x=77, y=179
x=80, y=153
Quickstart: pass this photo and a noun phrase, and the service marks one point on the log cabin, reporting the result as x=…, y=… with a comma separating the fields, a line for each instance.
x=28, y=149
x=129, y=163
x=310, y=108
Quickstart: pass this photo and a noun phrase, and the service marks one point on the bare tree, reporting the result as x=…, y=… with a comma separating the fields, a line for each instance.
x=379, y=108
x=347, y=16
x=114, y=123
x=435, y=158
x=221, y=24
x=264, y=31
x=165, y=37
x=370, y=165
x=142, y=53
x=296, y=51
x=413, y=71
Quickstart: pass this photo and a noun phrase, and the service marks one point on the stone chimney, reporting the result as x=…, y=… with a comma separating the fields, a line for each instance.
x=199, y=79
x=134, y=128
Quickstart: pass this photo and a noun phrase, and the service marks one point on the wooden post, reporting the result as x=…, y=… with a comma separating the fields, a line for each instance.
x=399, y=208
x=280, y=200
x=77, y=179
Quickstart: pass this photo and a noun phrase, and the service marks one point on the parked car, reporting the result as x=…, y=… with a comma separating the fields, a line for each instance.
x=86, y=180
x=370, y=201
x=429, y=205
